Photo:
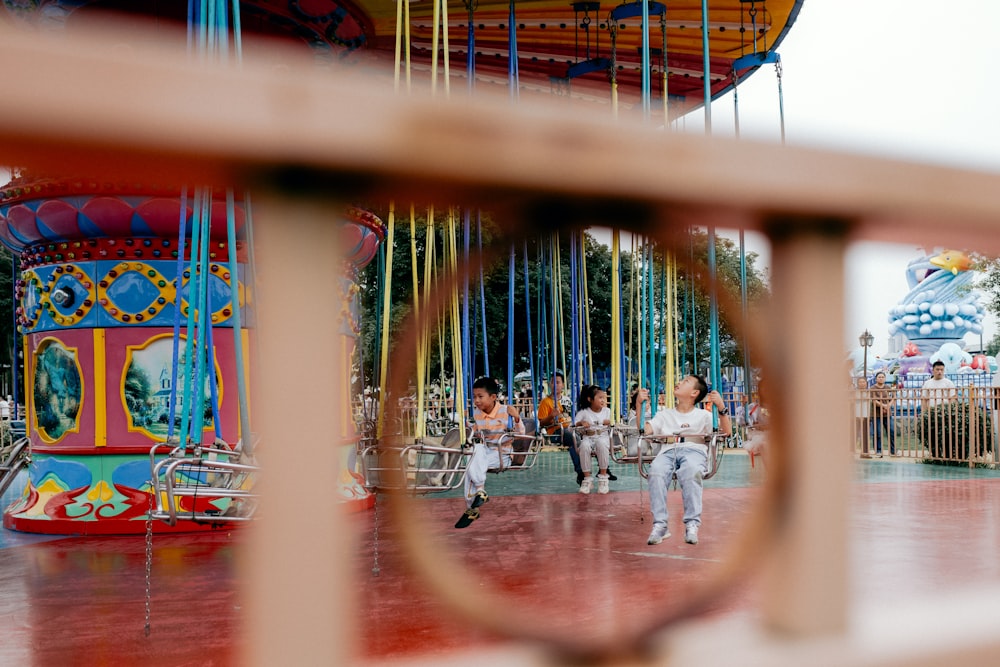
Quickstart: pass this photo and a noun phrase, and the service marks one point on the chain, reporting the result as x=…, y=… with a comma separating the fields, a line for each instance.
x=375, y=567
x=149, y=556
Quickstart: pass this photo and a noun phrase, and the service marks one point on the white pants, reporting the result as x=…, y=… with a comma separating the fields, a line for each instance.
x=591, y=443
x=483, y=459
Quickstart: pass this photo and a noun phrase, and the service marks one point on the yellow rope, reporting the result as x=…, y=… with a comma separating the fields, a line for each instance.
x=430, y=243
x=420, y=425
x=386, y=312
x=456, y=327
x=399, y=46
x=668, y=316
x=447, y=53
x=406, y=28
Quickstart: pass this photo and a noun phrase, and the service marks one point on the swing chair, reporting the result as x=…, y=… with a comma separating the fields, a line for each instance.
x=435, y=459
x=218, y=478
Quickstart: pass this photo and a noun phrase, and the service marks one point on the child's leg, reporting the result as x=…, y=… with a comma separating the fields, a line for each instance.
x=603, y=444
x=586, y=448
x=475, y=472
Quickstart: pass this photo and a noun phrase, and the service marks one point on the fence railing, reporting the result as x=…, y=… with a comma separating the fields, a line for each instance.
x=944, y=424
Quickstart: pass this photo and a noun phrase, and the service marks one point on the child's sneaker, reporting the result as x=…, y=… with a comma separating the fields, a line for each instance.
x=468, y=516
x=602, y=484
x=691, y=533
x=586, y=485
x=659, y=534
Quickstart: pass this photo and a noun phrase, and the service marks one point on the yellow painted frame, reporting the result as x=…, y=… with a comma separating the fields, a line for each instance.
x=42, y=345
x=130, y=350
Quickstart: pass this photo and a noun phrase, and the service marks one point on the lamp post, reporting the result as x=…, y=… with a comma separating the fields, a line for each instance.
x=867, y=340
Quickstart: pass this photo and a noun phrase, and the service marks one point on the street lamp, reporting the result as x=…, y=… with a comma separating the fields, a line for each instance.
x=867, y=340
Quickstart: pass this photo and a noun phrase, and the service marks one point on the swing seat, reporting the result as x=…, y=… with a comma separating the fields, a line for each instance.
x=222, y=476
x=523, y=447
x=426, y=465
x=649, y=446
x=625, y=444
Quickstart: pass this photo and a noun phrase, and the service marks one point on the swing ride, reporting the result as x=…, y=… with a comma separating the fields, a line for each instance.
x=80, y=310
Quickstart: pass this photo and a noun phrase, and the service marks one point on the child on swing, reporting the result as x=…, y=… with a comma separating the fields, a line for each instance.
x=592, y=413
x=493, y=419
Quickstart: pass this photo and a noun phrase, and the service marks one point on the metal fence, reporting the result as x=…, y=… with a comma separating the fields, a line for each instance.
x=957, y=425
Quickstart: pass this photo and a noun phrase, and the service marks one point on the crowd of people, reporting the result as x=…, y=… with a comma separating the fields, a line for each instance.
x=685, y=454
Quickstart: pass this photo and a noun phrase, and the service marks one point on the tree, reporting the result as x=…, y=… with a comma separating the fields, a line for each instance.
x=542, y=251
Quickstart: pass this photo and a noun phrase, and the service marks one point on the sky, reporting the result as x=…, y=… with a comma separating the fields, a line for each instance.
x=911, y=80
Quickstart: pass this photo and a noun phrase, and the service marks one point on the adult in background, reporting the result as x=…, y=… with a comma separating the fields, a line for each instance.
x=937, y=389
x=883, y=397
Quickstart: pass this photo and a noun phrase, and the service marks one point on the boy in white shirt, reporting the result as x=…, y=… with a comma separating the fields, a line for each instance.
x=591, y=415
x=688, y=457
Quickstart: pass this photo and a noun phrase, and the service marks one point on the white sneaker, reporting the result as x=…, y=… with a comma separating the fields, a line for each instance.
x=691, y=533
x=586, y=485
x=659, y=534
x=602, y=484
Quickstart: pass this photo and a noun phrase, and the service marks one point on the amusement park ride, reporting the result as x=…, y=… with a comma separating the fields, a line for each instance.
x=108, y=269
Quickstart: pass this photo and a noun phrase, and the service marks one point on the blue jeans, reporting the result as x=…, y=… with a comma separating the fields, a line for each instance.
x=567, y=439
x=690, y=462
x=888, y=422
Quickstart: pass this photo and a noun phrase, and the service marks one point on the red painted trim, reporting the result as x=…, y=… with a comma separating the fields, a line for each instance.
x=112, y=527
x=359, y=504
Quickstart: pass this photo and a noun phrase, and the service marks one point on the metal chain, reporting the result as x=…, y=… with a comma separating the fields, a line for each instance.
x=149, y=556
x=375, y=567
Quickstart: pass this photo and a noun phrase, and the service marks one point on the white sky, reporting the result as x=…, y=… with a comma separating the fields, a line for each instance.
x=910, y=80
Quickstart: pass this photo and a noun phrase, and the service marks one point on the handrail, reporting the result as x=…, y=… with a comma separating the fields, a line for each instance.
x=15, y=459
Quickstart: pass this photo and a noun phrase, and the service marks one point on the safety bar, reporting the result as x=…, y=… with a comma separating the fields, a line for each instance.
x=523, y=452
x=16, y=458
x=421, y=468
x=715, y=452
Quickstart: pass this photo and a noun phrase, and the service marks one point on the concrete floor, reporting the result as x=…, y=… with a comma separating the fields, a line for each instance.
x=579, y=560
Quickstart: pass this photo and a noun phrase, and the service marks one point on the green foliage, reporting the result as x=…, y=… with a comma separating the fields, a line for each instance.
x=692, y=289
x=946, y=430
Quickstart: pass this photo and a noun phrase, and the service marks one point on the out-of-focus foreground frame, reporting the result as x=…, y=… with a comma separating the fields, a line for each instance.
x=307, y=140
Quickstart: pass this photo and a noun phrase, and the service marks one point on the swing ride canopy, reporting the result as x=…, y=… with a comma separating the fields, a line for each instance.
x=563, y=48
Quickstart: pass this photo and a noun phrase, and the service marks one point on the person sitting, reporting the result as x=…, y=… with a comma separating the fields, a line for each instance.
x=556, y=423
x=593, y=413
x=493, y=419
x=688, y=456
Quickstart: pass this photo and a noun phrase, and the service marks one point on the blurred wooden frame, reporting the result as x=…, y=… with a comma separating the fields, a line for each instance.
x=307, y=139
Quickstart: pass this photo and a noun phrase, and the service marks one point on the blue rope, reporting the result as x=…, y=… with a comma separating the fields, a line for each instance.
x=213, y=379
x=512, y=65
x=198, y=394
x=196, y=223
x=470, y=365
x=482, y=295
x=715, y=370
x=510, y=328
x=181, y=234
x=574, y=371
x=531, y=348
x=651, y=338
x=470, y=59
